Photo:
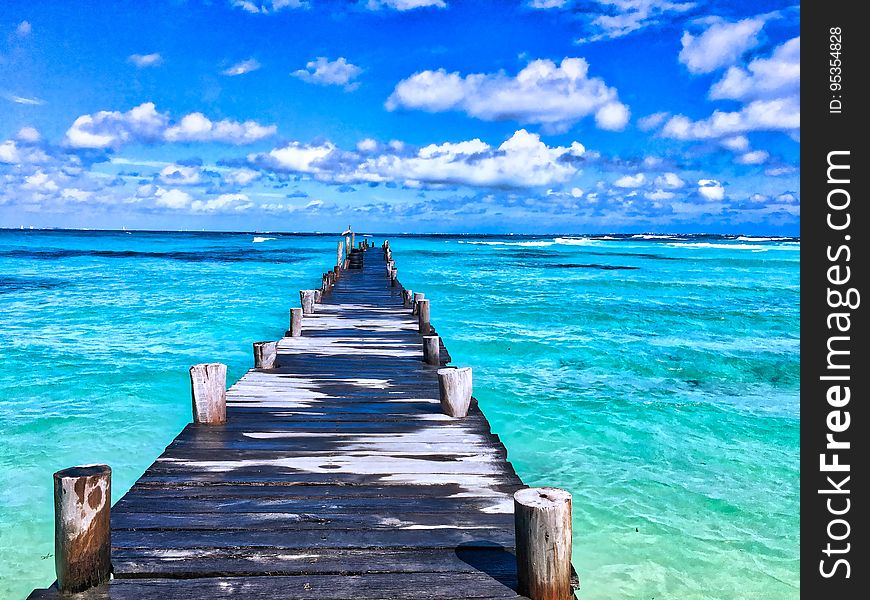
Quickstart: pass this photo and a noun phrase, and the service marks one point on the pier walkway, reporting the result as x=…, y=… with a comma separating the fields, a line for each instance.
x=336, y=475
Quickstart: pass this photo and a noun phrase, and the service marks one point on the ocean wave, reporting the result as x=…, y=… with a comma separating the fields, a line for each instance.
x=746, y=238
x=262, y=239
x=728, y=246
x=649, y=236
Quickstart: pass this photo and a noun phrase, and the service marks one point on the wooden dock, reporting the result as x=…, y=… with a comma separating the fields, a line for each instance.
x=336, y=475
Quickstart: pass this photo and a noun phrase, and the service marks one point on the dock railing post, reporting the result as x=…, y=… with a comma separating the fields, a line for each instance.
x=542, y=519
x=295, y=322
x=455, y=388
x=407, y=298
x=338, y=261
x=423, y=317
x=82, y=530
x=432, y=349
x=394, y=272
x=265, y=355
x=417, y=297
x=208, y=390
x=307, y=299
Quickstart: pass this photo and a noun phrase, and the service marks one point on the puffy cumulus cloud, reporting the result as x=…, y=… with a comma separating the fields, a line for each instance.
x=720, y=45
x=240, y=177
x=40, y=182
x=659, y=195
x=711, y=189
x=24, y=29
x=240, y=68
x=780, y=114
x=652, y=121
x=172, y=198
x=630, y=181
x=265, y=7
x=9, y=153
x=669, y=180
x=322, y=71
x=180, y=175
x=222, y=203
x=737, y=143
x=145, y=60
x=403, y=5
x=144, y=124
x=774, y=77
x=521, y=161
x=556, y=96
x=367, y=145
x=196, y=127
x=611, y=19
x=756, y=157
x=28, y=135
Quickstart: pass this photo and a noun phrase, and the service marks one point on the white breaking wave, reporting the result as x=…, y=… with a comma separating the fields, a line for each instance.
x=746, y=238
x=262, y=239
x=753, y=247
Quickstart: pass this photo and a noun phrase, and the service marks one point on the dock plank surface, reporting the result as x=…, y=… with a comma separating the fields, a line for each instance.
x=335, y=476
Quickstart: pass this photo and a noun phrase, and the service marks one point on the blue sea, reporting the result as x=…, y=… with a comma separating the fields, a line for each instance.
x=655, y=377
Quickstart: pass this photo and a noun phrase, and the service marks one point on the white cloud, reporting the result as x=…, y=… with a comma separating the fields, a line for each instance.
x=25, y=100
x=780, y=171
x=40, y=182
x=737, y=143
x=542, y=93
x=521, y=161
x=322, y=71
x=612, y=19
x=240, y=177
x=659, y=195
x=630, y=181
x=180, y=175
x=669, y=180
x=367, y=145
x=24, y=29
x=246, y=66
x=265, y=7
x=773, y=77
x=720, y=45
x=9, y=153
x=173, y=198
x=28, y=134
x=222, y=203
x=781, y=114
x=403, y=5
x=711, y=189
x=652, y=121
x=75, y=194
x=576, y=192
x=145, y=60
x=112, y=129
x=755, y=157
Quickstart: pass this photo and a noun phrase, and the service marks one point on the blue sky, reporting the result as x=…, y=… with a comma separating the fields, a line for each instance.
x=525, y=116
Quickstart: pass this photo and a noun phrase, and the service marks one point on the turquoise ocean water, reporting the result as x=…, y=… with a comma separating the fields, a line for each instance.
x=654, y=377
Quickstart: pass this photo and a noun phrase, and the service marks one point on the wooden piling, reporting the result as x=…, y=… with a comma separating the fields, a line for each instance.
x=394, y=272
x=407, y=298
x=338, y=260
x=423, y=317
x=318, y=296
x=336, y=273
x=542, y=520
x=208, y=387
x=265, y=355
x=455, y=388
x=295, y=322
x=431, y=349
x=306, y=297
x=353, y=239
x=82, y=533
x=417, y=297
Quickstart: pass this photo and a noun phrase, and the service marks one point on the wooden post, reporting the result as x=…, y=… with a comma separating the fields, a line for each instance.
x=82, y=531
x=347, y=246
x=455, y=388
x=417, y=297
x=407, y=298
x=208, y=387
x=295, y=322
x=423, y=317
x=353, y=239
x=336, y=272
x=265, y=355
x=318, y=296
x=542, y=518
x=394, y=272
x=431, y=349
x=338, y=261
x=307, y=299
x=330, y=278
